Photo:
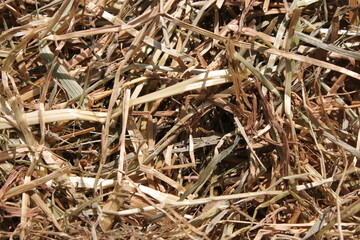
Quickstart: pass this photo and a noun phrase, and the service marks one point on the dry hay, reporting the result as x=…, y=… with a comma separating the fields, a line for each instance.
x=179, y=119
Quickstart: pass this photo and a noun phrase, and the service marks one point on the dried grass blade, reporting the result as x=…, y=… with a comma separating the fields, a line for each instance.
x=35, y=183
x=159, y=175
x=206, y=173
x=248, y=142
x=60, y=72
x=258, y=74
x=32, y=118
x=148, y=40
x=349, y=211
x=122, y=136
x=199, y=81
x=87, y=183
x=342, y=144
x=39, y=202
x=90, y=32
x=350, y=112
x=284, y=54
x=199, y=201
x=329, y=47
x=197, y=19
x=63, y=10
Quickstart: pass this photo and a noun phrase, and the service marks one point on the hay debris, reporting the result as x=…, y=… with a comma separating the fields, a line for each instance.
x=179, y=119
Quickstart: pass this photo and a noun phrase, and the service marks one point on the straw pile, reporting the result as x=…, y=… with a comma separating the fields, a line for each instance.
x=179, y=119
